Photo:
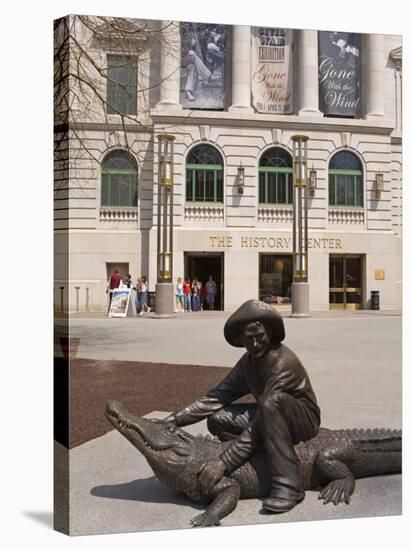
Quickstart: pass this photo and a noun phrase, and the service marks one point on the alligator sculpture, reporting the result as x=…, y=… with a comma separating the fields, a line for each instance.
x=330, y=461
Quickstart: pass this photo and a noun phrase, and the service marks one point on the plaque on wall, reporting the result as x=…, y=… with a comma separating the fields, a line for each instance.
x=379, y=274
x=202, y=76
x=272, y=70
x=339, y=73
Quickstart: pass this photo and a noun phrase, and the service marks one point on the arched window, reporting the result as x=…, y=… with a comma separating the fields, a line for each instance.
x=204, y=175
x=345, y=180
x=275, y=177
x=119, y=180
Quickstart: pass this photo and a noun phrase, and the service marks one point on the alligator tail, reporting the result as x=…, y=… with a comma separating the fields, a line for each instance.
x=376, y=440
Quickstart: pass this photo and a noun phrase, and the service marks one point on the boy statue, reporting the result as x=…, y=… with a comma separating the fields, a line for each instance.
x=285, y=412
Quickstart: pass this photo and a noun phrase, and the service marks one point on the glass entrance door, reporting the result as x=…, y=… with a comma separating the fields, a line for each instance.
x=345, y=281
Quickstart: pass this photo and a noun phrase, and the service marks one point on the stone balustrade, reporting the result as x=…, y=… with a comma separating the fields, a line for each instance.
x=122, y=214
x=354, y=216
x=275, y=214
x=203, y=212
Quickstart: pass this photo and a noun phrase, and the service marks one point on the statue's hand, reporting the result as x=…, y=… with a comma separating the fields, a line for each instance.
x=171, y=419
x=168, y=420
x=211, y=472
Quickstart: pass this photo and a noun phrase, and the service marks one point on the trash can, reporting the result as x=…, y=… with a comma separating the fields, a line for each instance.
x=152, y=300
x=374, y=299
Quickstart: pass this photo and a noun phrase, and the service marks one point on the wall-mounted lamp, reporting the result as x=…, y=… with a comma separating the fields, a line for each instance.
x=240, y=179
x=312, y=182
x=379, y=185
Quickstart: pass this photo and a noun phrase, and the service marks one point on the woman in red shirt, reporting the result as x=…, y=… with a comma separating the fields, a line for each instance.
x=187, y=295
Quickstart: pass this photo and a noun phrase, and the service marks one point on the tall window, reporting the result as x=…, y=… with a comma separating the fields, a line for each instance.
x=276, y=177
x=345, y=180
x=121, y=84
x=119, y=180
x=204, y=175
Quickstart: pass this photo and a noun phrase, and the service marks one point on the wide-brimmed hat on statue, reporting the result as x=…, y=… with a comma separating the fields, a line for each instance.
x=253, y=310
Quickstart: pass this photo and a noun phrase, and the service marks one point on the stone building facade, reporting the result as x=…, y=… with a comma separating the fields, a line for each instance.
x=239, y=232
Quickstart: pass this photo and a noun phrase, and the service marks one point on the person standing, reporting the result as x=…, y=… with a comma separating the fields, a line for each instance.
x=179, y=295
x=202, y=296
x=137, y=299
x=113, y=283
x=195, y=295
x=142, y=296
x=187, y=294
x=211, y=292
x=128, y=281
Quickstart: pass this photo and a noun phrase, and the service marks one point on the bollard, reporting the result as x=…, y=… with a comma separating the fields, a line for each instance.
x=87, y=298
x=61, y=297
x=77, y=298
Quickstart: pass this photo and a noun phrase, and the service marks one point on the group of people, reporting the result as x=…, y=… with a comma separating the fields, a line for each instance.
x=194, y=295
x=141, y=287
x=191, y=295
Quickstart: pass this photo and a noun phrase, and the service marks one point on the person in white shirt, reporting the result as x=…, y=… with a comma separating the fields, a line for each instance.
x=142, y=295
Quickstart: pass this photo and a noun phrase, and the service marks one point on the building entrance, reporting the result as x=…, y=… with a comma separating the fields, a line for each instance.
x=202, y=264
x=122, y=267
x=345, y=281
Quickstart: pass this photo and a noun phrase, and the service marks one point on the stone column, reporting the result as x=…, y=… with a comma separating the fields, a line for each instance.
x=169, y=66
x=375, y=64
x=307, y=56
x=241, y=69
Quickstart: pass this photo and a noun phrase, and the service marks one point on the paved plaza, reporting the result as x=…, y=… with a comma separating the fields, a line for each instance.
x=354, y=362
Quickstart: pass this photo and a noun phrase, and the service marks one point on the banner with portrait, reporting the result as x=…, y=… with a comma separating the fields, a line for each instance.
x=272, y=70
x=339, y=73
x=202, y=75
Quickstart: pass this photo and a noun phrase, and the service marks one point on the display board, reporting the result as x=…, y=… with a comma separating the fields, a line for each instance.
x=121, y=303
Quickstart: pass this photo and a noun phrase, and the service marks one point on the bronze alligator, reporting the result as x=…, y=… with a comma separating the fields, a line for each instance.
x=331, y=461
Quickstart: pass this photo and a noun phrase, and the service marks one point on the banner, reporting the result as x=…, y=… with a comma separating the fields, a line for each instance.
x=202, y=84
x=272, y=70
x=339, y=73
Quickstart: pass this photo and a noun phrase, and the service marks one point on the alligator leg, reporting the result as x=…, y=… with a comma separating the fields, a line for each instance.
x=226, y=495
x=330, y=465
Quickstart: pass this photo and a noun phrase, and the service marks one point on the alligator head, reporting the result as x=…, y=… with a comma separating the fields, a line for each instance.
x=166, y=448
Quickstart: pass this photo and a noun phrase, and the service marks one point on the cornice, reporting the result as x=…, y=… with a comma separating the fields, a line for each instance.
x=283, y=122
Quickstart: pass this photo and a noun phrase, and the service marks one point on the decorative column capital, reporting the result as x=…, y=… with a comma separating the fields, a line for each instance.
x=396, y=56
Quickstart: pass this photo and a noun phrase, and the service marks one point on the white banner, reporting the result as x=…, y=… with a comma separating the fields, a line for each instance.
x=272, y=70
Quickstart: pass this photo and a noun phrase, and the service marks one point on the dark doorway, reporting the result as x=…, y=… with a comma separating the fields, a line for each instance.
x=203, y=264
x=122, y=267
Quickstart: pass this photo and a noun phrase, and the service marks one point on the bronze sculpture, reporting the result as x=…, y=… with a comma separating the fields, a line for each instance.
x=272, y=449
x=332, y=461
x=286, y=412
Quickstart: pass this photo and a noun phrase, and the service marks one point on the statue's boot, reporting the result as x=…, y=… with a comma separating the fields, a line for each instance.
x=279, y=505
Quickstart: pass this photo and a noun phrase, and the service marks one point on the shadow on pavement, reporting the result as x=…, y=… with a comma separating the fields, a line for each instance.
x=142, y=490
